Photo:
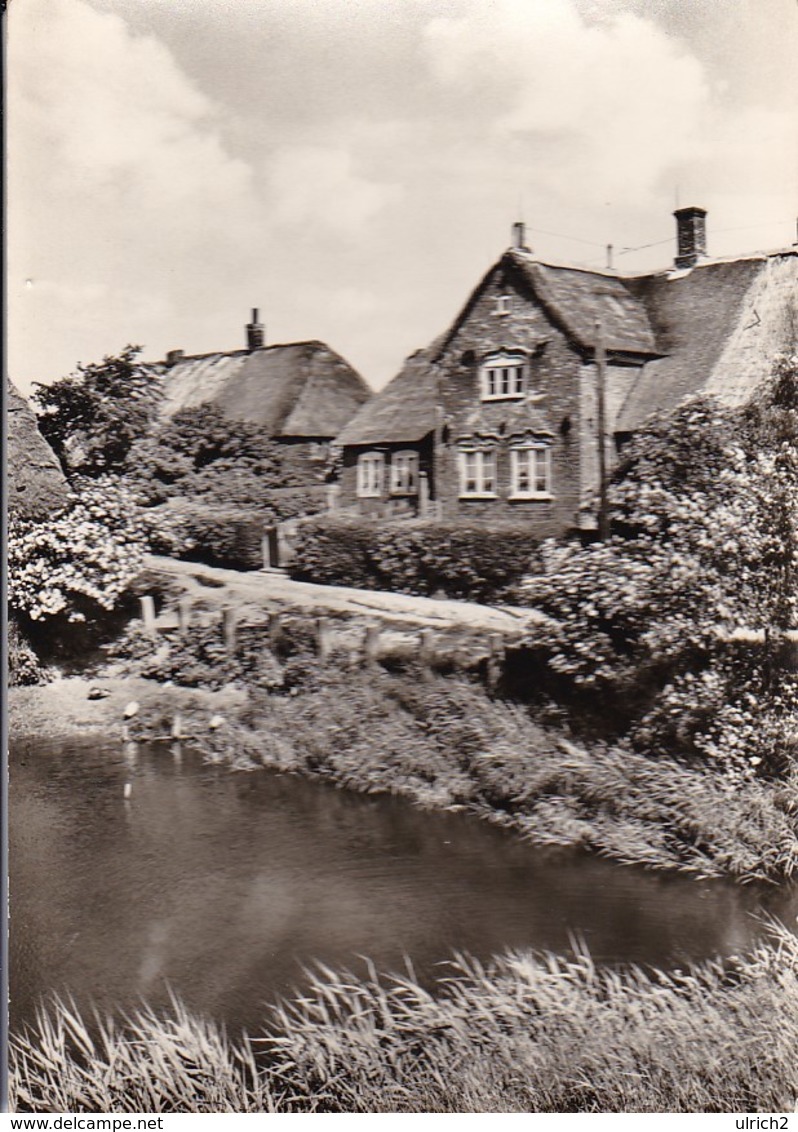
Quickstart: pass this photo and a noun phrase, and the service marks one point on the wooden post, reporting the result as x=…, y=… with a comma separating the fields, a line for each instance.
x=601, y=397
x=323, y=641
x=148, y=615
x=275, y=631
x=423, y=495
x=229, y=629
x=184, y=614
x=496, y=653
x=371, y=643
x=426, y=650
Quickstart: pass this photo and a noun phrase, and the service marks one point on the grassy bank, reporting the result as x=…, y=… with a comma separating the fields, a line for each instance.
x=444, y=742
x=526, y=1033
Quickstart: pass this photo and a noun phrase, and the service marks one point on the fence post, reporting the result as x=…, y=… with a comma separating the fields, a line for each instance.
x=496, y=652
x=426, y=649
x=275, y=631
x=371, y=643
x=229, y=628
x=148, y=615
x=184, y=614
x=323, y=641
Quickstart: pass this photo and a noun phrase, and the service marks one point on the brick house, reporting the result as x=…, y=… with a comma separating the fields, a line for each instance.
x=302, y=393
x=497, y=420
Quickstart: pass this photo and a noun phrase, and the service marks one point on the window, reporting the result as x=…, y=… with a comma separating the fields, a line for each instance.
x=502, y=304
x=404, y=473
x=477, y=472
x=370, y=467
x=530, y=471
x=503, y=376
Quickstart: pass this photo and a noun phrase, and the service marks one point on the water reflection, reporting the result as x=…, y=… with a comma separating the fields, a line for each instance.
x=223, y=885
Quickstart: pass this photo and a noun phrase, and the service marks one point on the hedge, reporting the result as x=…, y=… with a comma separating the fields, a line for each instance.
x=416, y=557
x=227, y=537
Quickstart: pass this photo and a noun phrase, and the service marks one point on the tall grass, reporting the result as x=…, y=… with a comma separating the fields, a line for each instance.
x=444, y=742
x=525, y=1033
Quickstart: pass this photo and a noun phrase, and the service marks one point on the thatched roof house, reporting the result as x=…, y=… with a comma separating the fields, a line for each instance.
x=498, y=419
x=37, y=486
x=300, y=391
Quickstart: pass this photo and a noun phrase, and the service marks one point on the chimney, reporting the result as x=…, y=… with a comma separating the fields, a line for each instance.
x=691, y=236
x=256, y=332
x=174, y=356
x=519, y=236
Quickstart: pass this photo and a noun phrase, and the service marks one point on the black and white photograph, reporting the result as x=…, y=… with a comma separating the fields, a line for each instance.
x=401, y=480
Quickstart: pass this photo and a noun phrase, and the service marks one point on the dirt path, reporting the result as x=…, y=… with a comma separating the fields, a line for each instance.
x=276, y=592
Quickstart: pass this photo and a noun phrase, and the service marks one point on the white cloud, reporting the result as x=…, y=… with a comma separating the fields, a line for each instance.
x=604, y=108
x=320, y=185
x=119, y=181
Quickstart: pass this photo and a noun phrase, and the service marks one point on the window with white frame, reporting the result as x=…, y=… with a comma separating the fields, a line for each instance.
x=502, y=376
x=530, y=471
x=477, y=472
x=370, y=471
x=404, y=473
x=502, y=304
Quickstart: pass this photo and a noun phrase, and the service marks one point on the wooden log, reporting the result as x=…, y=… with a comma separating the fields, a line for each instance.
x=148, y=615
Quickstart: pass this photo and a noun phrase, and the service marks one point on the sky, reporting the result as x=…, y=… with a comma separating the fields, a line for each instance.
x=353, y=167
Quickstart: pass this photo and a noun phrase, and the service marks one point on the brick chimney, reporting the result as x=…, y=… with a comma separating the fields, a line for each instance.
x=519, y=236
x=256, y=332
x=691, y=236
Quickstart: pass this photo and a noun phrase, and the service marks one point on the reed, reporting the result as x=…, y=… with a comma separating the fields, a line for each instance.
x=526, y=1032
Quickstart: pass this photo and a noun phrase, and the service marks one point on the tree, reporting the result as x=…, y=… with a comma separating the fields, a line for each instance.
x=92, y=418
x=199, y=451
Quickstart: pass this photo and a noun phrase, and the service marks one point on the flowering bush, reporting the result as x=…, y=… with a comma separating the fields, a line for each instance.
x=80, y=562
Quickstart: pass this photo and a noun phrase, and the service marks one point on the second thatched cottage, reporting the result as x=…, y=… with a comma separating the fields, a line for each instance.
x=301, y=393
x=498, y=420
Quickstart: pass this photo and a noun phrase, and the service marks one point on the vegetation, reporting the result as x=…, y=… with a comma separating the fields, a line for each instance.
x=443, y=742
x=706, y=509
x=81, y=562
x=92, y=418
x=198, y=454
x=471, y=563
x=526, y=1033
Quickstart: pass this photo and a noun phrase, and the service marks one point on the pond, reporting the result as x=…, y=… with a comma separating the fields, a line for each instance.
x=222, y=886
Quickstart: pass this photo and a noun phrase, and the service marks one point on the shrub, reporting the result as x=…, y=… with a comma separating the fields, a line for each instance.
x=81, y=562
x=213, y=535
x=23, y=664
x=415, y=557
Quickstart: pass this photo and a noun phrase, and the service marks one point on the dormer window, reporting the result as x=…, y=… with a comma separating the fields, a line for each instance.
x=502, y=304
x=502, y=376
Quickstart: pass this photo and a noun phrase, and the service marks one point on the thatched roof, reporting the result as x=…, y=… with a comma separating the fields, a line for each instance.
x=719, y=324
x=36, y=484
x=303, y=389
x=578, y=298
x=404, y=411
